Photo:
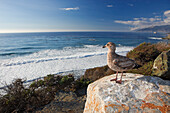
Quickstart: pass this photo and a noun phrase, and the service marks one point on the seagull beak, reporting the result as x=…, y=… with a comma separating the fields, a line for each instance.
x=104, y=46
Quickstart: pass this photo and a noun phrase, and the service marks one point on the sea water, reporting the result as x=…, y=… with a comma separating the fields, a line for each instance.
x=34, y=55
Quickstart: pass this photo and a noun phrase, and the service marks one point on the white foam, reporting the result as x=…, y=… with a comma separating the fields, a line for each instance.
x=55, y=61
x=155, y=38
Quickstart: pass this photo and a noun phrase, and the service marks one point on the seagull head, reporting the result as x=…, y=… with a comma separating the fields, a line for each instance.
x=111, y=46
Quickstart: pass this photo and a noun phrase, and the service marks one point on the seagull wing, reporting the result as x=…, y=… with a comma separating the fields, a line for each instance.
x=124, y=62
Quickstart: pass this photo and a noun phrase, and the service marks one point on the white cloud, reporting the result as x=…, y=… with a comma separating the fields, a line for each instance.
x=167, y=13
x=68, y=9
x=142, y=22
x=109, y=5
x=167, y=16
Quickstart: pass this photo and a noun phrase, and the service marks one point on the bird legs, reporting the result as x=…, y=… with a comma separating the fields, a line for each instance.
x=120, y=81
x=115, y=79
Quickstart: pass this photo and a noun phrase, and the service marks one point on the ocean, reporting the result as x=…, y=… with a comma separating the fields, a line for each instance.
x=34, y=55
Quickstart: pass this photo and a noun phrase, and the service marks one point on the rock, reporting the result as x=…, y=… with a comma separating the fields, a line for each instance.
x=65, y=102
x=161, y=66
x=97, y=73
x=137, y=93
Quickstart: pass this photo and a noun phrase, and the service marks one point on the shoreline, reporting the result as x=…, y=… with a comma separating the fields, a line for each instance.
x=95, y=57
x=59, y=90
x=76, y=74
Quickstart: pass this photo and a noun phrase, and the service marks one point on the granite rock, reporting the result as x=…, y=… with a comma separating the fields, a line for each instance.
x=161, y=66
x=136, y=94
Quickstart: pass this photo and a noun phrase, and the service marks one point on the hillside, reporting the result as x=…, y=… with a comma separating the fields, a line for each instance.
x=163, y=28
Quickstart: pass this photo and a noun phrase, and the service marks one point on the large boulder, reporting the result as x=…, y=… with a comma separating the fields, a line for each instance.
x=161, y=66
x=136, y=94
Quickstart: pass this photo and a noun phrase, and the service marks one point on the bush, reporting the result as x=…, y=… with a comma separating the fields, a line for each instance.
x=146, y=69
x=143, y=53
x=82, y=83
x=97, y=73
x=147, y=52
x=19, y=98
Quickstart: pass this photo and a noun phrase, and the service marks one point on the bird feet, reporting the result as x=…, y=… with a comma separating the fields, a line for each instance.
x=113, y=79
x=119, y=81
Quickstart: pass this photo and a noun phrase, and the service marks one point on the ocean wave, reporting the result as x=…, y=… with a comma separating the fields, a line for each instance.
x=155, y=38
x=42, y=63
x=15, y=53
x=64, y=54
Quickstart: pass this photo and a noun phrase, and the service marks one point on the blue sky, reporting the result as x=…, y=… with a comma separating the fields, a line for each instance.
x=82, y=15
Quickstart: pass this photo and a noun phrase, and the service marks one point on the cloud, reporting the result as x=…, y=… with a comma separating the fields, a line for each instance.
x=167, y=16
x=167, y=13
x=109, y=5
x=138, y=23
x=68, y=9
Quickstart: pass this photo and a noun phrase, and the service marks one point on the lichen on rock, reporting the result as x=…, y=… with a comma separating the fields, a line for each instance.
x=161, y=66
x=137, y=93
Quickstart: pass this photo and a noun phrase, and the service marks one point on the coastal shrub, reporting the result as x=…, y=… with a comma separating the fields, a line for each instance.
x=146, y=69
x=97, y=73
x=82, y=83
x=143, y=53
x=67, y=79
x=162, y=46
x=18, y=98
x=147, y=52
x=39, y=83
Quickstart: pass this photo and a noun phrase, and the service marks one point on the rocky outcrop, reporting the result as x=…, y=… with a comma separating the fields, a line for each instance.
x=65, y=102
x=97, y=73
x=136, y=94
x=161, y=66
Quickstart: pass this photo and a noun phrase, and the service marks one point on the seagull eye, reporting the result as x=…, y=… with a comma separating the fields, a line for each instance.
x=107, y=44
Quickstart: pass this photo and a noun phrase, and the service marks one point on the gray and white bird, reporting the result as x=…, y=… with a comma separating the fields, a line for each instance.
x=117, y=62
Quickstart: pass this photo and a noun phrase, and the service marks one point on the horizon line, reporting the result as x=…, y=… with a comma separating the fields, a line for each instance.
x=46, y=31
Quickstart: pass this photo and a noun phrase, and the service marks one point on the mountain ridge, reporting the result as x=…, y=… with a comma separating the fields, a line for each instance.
x=162, y=28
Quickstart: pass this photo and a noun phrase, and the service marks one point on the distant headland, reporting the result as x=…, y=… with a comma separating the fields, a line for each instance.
x=155, y=29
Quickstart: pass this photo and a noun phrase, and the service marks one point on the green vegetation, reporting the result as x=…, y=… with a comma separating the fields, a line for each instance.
x=20, y=98
x=146, y=69
x=98, y=72
x=145, y=54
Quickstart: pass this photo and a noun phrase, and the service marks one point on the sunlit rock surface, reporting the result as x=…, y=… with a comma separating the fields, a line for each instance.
x=161, y=65
x=136, y=94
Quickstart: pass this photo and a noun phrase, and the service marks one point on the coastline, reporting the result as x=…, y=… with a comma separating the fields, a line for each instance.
x=60, y=90
x=31, y=68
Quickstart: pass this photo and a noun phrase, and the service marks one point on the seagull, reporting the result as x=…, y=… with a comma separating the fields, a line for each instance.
x=117, y=62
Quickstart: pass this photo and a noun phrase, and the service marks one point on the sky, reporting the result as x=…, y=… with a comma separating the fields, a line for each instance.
x=82, y=15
